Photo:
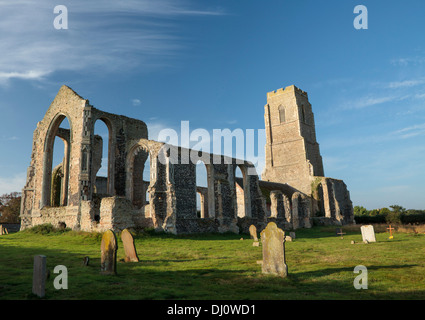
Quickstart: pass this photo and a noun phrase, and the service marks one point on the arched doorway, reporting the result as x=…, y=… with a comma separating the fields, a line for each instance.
x=102, y=158
x=140, y=173
x=243, y=208
x=201, y=190
x=57, y=149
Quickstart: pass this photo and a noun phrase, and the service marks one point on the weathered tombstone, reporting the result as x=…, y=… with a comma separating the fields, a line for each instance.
x=253, y=232
x=368, y=234
x=39, y=276
x=273, y=241
x=108, y=250
x=1, y=230
x=86, y=261
x=292, y=235
x=129, y=248
x=288, y=238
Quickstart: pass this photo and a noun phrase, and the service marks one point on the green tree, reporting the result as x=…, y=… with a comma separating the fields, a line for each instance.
x=395, y=215
x=360, y=211
x=384, y=211
x=374, y=212
x=397, y=208
x=10, y=207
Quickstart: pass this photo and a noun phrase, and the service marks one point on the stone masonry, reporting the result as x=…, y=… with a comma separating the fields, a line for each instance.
x=293, y=157
x=292, y=191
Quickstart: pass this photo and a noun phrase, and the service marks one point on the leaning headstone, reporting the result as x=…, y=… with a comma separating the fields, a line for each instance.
x=253, y=232
x=39, y=276
x=129, y=248
x=273, y=241
x=368, y=234
x=108, y=249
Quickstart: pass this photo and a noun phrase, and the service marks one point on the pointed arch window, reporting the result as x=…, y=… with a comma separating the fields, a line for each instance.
x=282, y=115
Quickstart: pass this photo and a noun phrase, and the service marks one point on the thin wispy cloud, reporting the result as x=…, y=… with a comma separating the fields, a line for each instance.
x=406, y=61
x=8, y=138
x=102, y=35
x=23, y=75
x=378, y=138
x=411, y=131
x=136, y=102
x=420, y=95
x=370, y=101
x=405, y=84
x=405, y=92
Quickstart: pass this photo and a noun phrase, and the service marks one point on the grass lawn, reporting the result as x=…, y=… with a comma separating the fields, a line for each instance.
x=218, y=266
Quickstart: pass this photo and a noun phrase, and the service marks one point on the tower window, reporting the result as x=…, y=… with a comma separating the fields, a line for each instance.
x=281, y=114
x=302, y=113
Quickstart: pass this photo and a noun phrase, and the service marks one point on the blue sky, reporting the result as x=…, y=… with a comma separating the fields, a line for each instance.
x=212, y=63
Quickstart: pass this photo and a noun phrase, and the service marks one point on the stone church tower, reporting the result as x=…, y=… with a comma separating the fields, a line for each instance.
x=292, y=152
x=293, y=156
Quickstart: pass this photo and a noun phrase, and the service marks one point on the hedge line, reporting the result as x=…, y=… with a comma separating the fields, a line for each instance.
x=396, y=218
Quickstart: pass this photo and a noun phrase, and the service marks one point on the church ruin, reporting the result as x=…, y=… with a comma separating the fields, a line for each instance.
x=293, y=191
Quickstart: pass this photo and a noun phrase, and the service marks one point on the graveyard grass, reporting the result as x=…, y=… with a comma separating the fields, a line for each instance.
x=218, y=266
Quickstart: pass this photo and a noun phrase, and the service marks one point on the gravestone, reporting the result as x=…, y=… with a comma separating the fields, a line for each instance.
x=108, y=249
x=292, y=235
x=129, y=248
x=340, y=233
x=253, y=232
x=368, y=234
x=391, y=232
x=273, y=242
x=86, y=261
x=39, y=276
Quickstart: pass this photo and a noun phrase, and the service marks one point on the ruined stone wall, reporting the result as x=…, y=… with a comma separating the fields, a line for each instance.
x=332, y=198
x=280, y=212
x=91, y=203
x=82, y=157
x=37, y=191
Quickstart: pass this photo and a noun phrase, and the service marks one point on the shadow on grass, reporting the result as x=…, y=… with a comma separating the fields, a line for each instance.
x=171, y=279
x=329, y=271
